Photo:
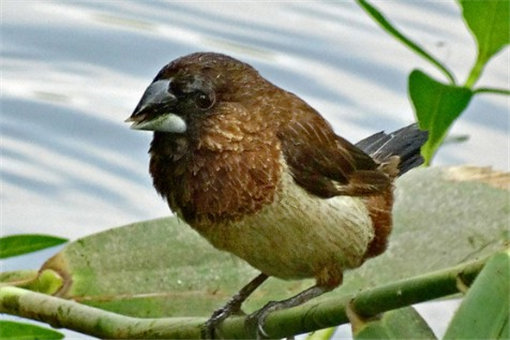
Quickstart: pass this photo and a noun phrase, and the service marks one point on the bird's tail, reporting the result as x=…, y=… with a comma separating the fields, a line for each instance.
x=404, y=143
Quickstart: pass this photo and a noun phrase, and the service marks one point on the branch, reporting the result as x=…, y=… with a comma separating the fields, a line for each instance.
x=309, y=317
x=332, y=312
x=61, y=313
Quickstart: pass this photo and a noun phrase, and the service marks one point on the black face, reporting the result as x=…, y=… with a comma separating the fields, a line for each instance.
x=195, y=94
x=173, y=103
x=191, y=87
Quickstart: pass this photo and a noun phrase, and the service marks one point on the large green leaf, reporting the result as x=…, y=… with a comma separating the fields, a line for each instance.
x=489, y=21
x=402, y=323
x=443, y=217
x=155, y=268
x=21, y=244
x=10, y=330
x=43, y=281
x=485, y=311
x=322, y=334
x=436, y=106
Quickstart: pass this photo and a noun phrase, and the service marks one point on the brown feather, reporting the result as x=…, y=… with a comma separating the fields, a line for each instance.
x=379, y=208
x=261, y=174
x=231, y=170
x=323, y=163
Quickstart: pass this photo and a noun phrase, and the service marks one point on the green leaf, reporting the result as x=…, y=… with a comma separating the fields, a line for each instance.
x=388, y=27
x=484, y=312
x=163, y=268
x=156, y=268
x=25, y=331
x=323, y=334
x=43, y=281
x=403, y=323
x=22, y=244
x=436, y=106
x=19, y=277
x=489, y=21
x=48, y=282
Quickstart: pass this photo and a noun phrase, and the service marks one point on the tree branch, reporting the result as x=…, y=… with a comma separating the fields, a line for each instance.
x=309, y=317
x=61, y=313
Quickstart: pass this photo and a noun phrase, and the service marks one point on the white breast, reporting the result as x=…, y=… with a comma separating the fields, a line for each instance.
x=299, y=235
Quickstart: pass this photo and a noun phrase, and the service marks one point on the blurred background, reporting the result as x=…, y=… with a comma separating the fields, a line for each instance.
x=72, y=71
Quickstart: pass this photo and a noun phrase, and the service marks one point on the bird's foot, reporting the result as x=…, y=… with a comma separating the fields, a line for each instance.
x=254, y=323
x=209, y=327
x=233, y=306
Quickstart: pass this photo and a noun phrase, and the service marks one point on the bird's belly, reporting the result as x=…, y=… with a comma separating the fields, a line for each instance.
x=299, y=235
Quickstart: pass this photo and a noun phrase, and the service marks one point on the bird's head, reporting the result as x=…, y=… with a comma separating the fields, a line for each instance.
x=191, y=88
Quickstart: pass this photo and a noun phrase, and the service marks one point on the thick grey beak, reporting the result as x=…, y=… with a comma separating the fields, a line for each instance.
x=156, y=98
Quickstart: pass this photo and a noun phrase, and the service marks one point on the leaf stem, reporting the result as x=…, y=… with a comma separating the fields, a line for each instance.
x=492, y=90
x=387, y=26
x=476, y=71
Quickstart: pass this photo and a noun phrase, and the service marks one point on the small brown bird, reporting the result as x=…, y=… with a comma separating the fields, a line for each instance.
x=260, y=174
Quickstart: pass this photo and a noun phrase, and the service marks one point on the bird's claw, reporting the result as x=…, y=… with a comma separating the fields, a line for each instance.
x=254, y=323
x=233, y=306
x=218, y=316
x=209, y=328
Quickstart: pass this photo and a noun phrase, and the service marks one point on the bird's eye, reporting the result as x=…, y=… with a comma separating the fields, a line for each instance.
x=204, y=100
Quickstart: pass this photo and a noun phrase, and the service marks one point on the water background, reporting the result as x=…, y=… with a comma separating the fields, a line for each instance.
x=72, y=71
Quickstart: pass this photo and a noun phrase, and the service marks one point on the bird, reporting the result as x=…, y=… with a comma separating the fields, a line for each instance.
x=259, y=173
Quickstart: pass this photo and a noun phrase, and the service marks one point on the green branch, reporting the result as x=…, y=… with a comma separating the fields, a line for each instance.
x=61, y=313
x=312, y=316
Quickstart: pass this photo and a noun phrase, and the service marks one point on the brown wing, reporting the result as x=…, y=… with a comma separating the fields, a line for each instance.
x=325, y=164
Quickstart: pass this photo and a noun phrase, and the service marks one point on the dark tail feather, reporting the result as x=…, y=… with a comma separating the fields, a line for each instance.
x=405, y=143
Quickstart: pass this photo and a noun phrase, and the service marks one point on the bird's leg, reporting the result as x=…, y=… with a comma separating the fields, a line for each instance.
x=255, y=322
x=233, y=306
